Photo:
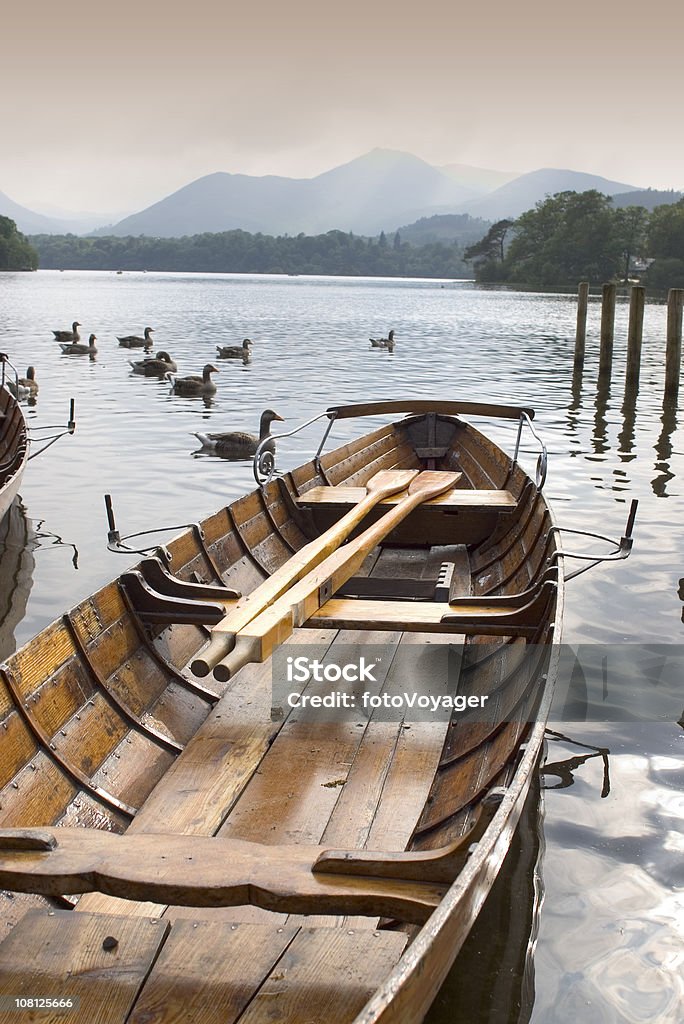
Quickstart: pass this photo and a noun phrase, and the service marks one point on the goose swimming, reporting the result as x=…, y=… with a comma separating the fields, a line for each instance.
x=135, y=341
x=75, y=349
x=71, y=335
x=23, y=387
x=387, y=342
x=161, y=364
x=194, y=385
x=235, y=351
x=238, y=444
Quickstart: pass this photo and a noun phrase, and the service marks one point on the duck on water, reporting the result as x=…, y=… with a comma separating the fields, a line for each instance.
x=235, y=351
x=239, y=444
x=71, y=335
x=75, y=349
x=24, y=387
x=195, y=385
x=156, y=366
x=135, y=341
x=387, y=342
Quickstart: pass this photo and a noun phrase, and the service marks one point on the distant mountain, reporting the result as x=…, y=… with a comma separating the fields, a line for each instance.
x=375, y=192
x=29, y=222
x=380, y=191
x=446, y=227
x=480, y=179
x=647, y=197
x=523, y=192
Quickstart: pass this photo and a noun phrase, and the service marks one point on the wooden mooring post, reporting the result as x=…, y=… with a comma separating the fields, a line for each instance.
x=673, y=355
x=634, y=334
x=608, y=295
x=581, y=331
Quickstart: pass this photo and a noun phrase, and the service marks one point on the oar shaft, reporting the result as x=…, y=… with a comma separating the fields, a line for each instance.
x=296, y=567
x=272, y=627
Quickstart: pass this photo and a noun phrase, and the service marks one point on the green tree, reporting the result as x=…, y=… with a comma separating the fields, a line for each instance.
x=16, y=253
x=631, y=226
x=491, y=247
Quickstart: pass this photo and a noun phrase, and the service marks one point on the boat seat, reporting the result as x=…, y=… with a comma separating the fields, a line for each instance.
x=508, y=615
x=454, y=500
x=212, y=871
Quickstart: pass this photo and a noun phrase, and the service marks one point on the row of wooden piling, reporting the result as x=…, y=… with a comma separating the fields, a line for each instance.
x=673, y=352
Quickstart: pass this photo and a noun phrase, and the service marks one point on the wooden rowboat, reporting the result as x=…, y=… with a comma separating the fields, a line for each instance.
x=13, y=447
x=243, y=856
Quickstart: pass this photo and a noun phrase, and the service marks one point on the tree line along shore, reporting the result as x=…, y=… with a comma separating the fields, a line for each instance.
x=565, y=238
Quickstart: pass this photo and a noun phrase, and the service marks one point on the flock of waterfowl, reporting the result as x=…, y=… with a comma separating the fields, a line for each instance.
x=231, y=444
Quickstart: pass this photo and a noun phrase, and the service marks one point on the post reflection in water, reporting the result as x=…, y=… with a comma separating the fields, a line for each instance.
x=626, y=436
x=575, y=403
x=600, y=436
x=664, y=449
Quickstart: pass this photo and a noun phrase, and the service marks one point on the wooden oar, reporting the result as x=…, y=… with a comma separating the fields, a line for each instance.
x=383, y=485
x=265, y=632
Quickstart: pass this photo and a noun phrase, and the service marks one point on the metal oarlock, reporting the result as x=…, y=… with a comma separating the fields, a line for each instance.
x=542, y=460
x=622, y=547
x=263, y=465
x=117, y=544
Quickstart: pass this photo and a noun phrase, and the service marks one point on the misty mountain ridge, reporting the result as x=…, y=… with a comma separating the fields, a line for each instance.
x=383, y=190
x=513, y=198
x=380, y=191
x=31, y=222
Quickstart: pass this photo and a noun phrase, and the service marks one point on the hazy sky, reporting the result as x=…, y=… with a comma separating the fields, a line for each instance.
x=111, y=107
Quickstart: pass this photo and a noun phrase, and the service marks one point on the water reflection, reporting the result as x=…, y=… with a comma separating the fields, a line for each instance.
x=599, y=438
x=564, y=770
x=664, y=449
x=626, y=436
x=17, y=544
x=493, y=979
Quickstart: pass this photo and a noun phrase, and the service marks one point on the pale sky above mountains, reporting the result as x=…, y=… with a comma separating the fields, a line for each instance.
x=109, y=108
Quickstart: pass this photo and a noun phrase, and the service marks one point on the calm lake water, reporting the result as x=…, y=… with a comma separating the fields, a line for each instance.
x=604, y=942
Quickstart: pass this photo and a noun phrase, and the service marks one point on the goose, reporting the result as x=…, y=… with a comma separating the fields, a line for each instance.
x=135, y=341
x=75, y=349
x=71, y=335
x=387, y=342
x=235, y=351
x=24, y=386
x=196, y=385
x=236, y=443
x=157, y=367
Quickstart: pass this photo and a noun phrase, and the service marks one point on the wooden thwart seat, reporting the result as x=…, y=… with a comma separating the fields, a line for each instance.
x=211, y=871
x=201, y=871
x=509, y=615
x=456, y=500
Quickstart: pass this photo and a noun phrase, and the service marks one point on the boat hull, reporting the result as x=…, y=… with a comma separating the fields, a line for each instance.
x=13, y=449
x=106, y=727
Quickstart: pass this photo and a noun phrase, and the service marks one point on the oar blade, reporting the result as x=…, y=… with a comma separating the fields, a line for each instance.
x=430, y=483
x=390, y=481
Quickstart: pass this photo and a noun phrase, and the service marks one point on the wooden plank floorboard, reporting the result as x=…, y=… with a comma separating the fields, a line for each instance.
x=60, y=954
x=325, y=976
x=209, y=972
x=197, y=792
x=292, y=796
